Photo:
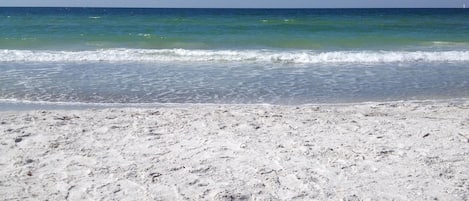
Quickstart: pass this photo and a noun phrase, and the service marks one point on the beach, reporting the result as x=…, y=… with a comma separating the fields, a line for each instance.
x=234, y=104
x=403, y=150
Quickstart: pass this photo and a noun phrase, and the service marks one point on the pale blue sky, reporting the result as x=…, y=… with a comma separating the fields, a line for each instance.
x=240, y=3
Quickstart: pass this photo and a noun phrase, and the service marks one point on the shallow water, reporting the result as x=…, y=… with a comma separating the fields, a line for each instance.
x=231, y=82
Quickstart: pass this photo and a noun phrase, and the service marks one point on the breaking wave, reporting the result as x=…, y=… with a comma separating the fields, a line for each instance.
x=257, y=56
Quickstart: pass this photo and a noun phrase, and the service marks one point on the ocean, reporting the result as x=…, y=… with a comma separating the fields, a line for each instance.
x=131, y=56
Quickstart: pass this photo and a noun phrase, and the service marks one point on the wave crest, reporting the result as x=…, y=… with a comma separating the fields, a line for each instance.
x=260, y=56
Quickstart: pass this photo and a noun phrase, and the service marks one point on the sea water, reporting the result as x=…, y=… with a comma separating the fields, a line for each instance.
x=232, y=56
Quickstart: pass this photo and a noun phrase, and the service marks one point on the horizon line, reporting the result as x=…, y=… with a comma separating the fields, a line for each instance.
x=136, y=7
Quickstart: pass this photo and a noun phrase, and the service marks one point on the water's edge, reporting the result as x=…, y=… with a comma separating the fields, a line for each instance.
x=9, y=105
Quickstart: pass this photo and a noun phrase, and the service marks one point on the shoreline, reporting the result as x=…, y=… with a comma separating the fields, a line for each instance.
x=25, y=105
x=370, y=151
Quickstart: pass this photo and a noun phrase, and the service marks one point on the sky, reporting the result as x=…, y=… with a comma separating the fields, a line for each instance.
x=241, y=3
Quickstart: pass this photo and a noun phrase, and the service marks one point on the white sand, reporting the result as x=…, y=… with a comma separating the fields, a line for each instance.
x=375, y=151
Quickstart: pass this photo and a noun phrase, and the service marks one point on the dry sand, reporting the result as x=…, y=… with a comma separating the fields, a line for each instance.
x=372, y=151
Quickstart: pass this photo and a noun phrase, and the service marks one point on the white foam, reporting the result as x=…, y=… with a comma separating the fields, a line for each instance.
x=257, y=56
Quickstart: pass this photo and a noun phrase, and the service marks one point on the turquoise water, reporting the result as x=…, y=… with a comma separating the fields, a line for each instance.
x=290, y=56
x=310, y=29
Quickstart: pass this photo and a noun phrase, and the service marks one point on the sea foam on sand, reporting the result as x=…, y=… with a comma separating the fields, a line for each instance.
x=372, y=151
